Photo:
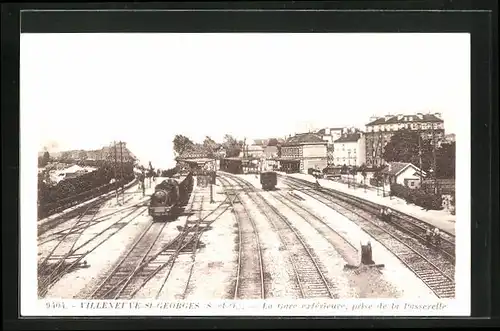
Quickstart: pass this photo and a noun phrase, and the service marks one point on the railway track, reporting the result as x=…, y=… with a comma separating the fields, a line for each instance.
x=58, y=235
x=405, y=222
x=250, y=281
x=348, y=251
x=54, y=267
x=137, y=264
x=116, y=283
x=140, y=264
x=51, y=264
x=434, y=270
x=191, y=242
x=101, y=200
x=309, y=276
x=194, y=249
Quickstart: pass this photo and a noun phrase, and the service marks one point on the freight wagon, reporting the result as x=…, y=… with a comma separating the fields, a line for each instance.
x=268, y=180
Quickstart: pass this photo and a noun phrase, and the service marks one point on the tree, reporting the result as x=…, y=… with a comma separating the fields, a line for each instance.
x=445, y=161
x=182, y=144
x=44, y=159
x=65, y=156
x=210, y=146
x=272, y=142
x=82, y=155
x=404, y=147
x=232, y=146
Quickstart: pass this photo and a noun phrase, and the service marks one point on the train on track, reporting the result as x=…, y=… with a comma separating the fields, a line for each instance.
x=170, y=194
x=268, y=180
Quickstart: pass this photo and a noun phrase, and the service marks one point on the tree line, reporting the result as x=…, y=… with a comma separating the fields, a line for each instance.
x=230, y=145
x=408, y=146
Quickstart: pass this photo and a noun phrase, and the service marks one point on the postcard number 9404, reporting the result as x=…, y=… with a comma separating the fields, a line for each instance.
x=55, y=305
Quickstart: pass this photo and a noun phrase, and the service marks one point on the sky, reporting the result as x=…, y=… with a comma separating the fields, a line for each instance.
x=83, y=91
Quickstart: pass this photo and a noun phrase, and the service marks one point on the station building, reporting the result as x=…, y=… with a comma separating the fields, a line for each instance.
x=196, y=158
x=303, y=151
x=349, y=149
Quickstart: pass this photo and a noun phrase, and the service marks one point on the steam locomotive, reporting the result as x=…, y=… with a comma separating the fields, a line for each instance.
x=169, y=195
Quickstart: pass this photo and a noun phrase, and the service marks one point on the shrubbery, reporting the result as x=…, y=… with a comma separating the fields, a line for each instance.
x=417, y=197
x=72, y=189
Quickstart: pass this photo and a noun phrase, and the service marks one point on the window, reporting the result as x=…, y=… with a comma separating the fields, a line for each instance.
x=412, y=184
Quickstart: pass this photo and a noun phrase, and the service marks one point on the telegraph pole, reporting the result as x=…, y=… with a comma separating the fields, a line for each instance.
x=349, y=169
x=116, y=180
x=121, y=170
x=212, y=178
x=420, y=151
x=244, y=146
x=434, y=158
x=383, y=185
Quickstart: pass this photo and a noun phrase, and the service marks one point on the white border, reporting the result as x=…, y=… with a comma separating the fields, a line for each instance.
x=31, y=306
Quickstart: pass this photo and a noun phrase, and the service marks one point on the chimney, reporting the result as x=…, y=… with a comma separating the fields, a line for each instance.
x=388, y=117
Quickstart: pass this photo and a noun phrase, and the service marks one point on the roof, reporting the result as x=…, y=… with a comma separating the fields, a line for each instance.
x=73, y=168
x=304, y=139
x=255, y=148
x=349, y=138
x=450, y=137
x=259, y=142
x=287, y=160
x=196, y=151
x=395, y=168
x=322, y=131
x=197, y=160
x=393, y=119
x=265, y=142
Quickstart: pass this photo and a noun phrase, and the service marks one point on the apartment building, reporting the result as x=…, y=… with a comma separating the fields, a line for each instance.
x=380, y=130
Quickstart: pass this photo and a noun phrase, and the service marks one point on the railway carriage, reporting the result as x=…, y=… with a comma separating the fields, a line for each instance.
x=268, y=180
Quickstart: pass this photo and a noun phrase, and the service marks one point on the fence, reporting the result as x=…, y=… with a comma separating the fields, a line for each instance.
x=444, y=186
